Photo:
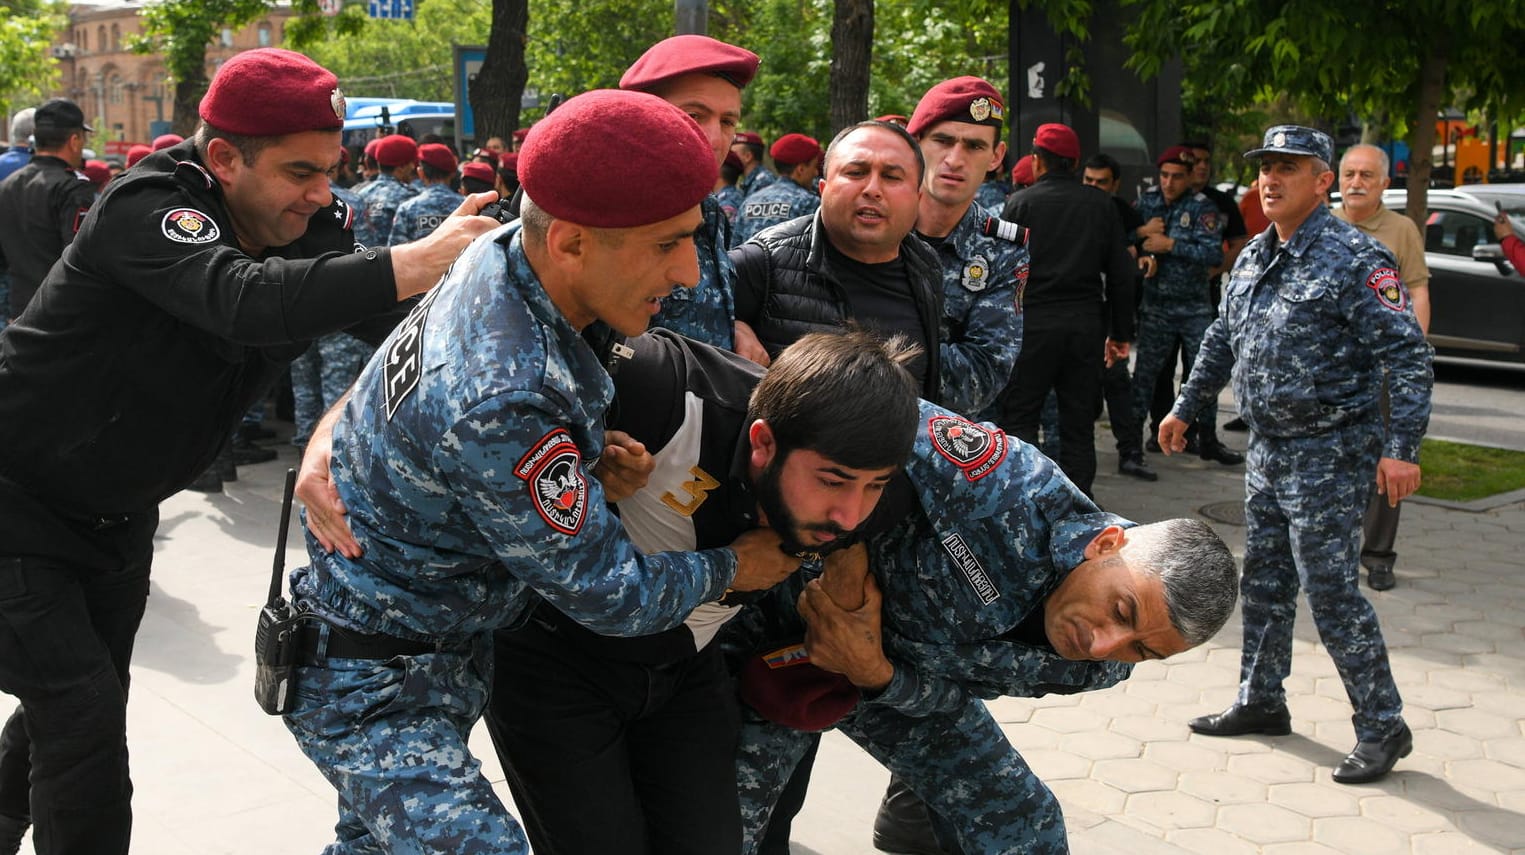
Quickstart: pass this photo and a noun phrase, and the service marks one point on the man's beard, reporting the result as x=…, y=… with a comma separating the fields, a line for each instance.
x=770, y=498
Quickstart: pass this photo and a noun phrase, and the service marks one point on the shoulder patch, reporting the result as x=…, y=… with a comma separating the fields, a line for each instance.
x=79, y=218
x=1389, y=288
x=974, y=449
x=976, y=274
x=404, y=359
x=1005, y=230
x=553, y=470
x=188, y=225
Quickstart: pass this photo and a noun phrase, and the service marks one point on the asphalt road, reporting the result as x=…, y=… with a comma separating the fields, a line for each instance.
x=1479, y=403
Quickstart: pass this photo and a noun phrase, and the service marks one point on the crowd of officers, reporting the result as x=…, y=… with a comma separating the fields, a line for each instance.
x=454, y=495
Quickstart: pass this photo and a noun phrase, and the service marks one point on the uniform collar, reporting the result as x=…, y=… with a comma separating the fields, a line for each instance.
x=1307, y=232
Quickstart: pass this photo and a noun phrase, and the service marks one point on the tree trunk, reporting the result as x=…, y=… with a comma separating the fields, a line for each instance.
x=852, y=44
x=499, y=85
x=187, y=108
x=1432, y=89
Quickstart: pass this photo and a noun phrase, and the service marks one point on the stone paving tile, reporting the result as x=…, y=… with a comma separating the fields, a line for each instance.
x=1358, y=835
x=1314, y=800
x=1135, y=775
x=1222, y=788
x=1272, y=768
x=1475, y=723
x=1172, y=810
x=1211, y=841
x=1264, y=823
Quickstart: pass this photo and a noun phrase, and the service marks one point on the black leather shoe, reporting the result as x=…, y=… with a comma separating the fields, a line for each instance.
x=1371, y=760
x=1380, y=578
x=255, y=433
x=245, y=453
x=1237, y=425
x=1135, y=467
x=1239, y=720
x=903, y=824
x=1220, y=453
x=1152, y=445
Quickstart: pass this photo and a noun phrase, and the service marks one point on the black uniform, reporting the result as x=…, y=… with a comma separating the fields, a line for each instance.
x=650, y=746
x=1079, y=294
x=42, y=206
x=118, y=384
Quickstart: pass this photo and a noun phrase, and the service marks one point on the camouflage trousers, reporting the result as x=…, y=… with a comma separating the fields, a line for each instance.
x=1158, y=335
x=959, y=762
x=321, y=375
x=1306, y=499
x=391, y=736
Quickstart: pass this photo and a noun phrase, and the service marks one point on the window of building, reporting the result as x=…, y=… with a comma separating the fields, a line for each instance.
x=264, y=35
x=227, y=37
x=100, y=38
x=114, y=89
x=116, y=37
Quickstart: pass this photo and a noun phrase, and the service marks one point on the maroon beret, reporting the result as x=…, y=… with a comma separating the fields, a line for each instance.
x=690, y=54
x=438, y=156
x=166, y=140
x=370, y=148
x=509, y=160
x=785, y=688
x=962, y=99
x=1177, y=154
x=747, y=137
x=1022, y=173
x=734, y=161
x=480, y=171
x=666, y=163
x=793, y=149
x=137, y=153
x=98, y=173
x=395, y=150
x=268, y=92
x=1059, y=139
x=892, y=118
x=521, y=134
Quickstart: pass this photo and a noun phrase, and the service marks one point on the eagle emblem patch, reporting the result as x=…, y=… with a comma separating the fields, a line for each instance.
x=188, y=225
x=1389, y=288
x=553, y=470
x=973, y=448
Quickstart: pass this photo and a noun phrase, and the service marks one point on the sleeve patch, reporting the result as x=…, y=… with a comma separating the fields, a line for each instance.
x=79, y=218
x=974, y=449
x=1389, y=288
x=553, y=470
x=188, y=225
x=403, y=365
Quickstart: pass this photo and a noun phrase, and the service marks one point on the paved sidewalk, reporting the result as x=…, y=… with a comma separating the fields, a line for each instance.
x=215, y=775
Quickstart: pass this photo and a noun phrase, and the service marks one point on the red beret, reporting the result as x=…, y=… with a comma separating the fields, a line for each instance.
x=690, y=54
x=268, y=92
x=370, y=148
x=1059, y=139
x=666, y=162
x=1022, y=173
x=794, y=149
x=509, y=160
x=480, y=171
x=747, y=137
x=395, y=150
x=166, y=140
x=137, y=153
x=894, y=118
x=962, y=99
x=438, y=156
x=784, y=687
x=734, y=161
x=521, y=134
x=1177, y=154
x=98, y=173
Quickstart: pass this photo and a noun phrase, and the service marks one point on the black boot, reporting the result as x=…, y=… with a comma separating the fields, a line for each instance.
x=903, y=824
x=12, y=830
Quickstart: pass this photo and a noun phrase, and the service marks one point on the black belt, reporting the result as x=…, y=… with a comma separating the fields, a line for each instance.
x=348, y=644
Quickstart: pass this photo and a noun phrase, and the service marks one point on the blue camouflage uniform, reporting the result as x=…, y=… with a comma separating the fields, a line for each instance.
x=382, y=196
x=421, y=215
x=779, y=202
x=461, y=458
x=1177, y=303
x=759, y=178
x=324, y=371
x=729, y=197
x=1307, y=328
x=992, y=196
x=706, y=312
x=964, y=579
x=985, y=264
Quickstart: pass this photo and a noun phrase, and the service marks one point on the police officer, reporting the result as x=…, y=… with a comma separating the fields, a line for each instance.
x=704, y=78
x=1004, y=579
x=1313, y=314
x=173, y=310
x=460, y=457
x=1183, y=230
x=798, y=159
x=984, y=259
x=397, y=162
x=423, y=213
x=727, y=194
x=653, y=744
x=43, y=204
x=755, y=175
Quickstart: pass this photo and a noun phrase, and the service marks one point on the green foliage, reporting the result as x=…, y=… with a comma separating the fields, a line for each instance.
x=387, y=58
x=180, y=30
x=27, y=69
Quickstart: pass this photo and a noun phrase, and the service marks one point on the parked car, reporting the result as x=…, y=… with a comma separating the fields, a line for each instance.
x=1477, y=299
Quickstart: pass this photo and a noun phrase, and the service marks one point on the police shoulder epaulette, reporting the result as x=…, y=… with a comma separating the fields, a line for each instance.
x=1004, y=230
x=197, y=170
